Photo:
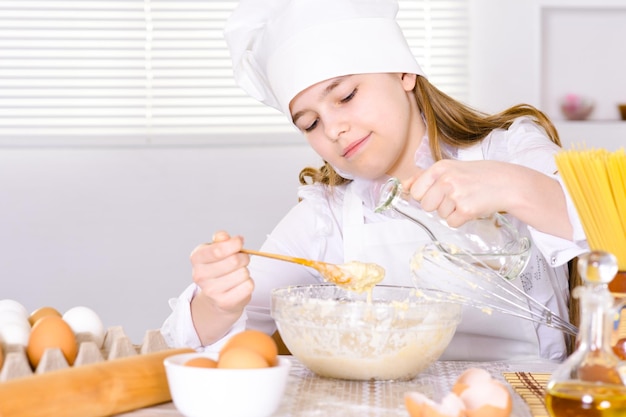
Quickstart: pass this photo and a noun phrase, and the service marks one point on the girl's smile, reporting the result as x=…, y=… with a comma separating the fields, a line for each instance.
x=354, y=147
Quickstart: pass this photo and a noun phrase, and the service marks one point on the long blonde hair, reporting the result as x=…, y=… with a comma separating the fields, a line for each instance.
x=448, y=121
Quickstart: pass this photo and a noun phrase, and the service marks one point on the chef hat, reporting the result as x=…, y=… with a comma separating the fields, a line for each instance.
x=281, y=47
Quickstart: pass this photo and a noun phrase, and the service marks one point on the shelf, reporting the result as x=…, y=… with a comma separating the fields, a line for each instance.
x=609, y=134
x=580, y=54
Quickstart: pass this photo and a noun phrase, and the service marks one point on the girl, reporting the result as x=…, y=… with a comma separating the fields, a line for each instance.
x=342, y=72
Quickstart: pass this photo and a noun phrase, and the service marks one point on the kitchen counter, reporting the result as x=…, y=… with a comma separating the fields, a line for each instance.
x=310, y=395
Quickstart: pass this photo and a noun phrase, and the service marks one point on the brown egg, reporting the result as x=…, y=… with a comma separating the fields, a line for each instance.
x=241, y=358
x=51, y=332
x=201, y=362
x=1, y=356
x=255, y=340
x=42, y=312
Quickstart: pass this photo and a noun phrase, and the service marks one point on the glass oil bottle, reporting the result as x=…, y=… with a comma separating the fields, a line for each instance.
x=591, y=382
x=492, y=241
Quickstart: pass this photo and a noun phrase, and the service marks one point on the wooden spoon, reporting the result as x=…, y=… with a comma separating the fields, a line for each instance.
x=354, y=276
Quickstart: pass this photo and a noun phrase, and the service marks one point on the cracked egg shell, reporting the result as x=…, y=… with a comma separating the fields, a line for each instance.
x=471, y=376
x=487, y=399
x=418, y=405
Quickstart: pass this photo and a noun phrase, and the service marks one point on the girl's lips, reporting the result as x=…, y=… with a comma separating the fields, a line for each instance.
x=353, y=147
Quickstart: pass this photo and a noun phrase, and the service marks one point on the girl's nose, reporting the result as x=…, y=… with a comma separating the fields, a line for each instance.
x=336, y=127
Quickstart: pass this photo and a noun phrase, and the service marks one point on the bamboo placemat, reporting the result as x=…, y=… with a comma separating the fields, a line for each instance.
x=531, y=387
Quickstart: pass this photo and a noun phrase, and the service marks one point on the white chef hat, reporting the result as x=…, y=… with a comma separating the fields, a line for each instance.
x=281, y=47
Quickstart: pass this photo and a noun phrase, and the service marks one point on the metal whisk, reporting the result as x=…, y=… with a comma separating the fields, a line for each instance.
x=461, y=277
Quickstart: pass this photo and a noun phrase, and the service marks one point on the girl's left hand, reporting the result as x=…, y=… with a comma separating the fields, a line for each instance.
x=463, y=190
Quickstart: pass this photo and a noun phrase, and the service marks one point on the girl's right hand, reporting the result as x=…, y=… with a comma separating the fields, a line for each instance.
x=225, y=287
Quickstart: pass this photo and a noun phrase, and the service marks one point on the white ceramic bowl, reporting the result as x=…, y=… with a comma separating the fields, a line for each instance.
x=341, y=334
x=202, y=392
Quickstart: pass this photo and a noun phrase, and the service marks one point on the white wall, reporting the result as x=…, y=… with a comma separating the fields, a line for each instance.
x=502, y=53
x=112, y=227
x=536, y=51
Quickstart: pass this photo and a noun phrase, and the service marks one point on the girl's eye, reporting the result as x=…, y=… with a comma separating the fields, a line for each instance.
x=311, y=126
x=349, y=96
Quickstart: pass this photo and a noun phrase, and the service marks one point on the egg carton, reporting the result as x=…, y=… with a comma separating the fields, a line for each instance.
x=116, y=345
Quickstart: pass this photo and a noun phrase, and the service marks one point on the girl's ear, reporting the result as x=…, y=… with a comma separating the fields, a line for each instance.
x=408, y=81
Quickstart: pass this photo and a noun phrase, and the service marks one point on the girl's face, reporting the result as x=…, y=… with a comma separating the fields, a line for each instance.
x=367, y=125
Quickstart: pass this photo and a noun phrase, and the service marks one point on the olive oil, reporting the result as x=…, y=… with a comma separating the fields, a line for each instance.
x=586, y=399
x=591, y=381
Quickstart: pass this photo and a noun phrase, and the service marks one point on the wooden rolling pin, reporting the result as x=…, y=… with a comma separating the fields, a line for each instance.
x=96, y=390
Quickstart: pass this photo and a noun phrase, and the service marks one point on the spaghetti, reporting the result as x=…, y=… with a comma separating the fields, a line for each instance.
x=596, y=181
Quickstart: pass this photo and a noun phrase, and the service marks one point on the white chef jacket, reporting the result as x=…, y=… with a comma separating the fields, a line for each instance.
x=340, y=226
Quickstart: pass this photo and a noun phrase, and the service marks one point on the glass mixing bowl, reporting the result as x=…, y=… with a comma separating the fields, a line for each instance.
x=392, y=334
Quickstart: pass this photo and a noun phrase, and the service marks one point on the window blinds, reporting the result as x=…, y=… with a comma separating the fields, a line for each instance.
x=133, y=71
